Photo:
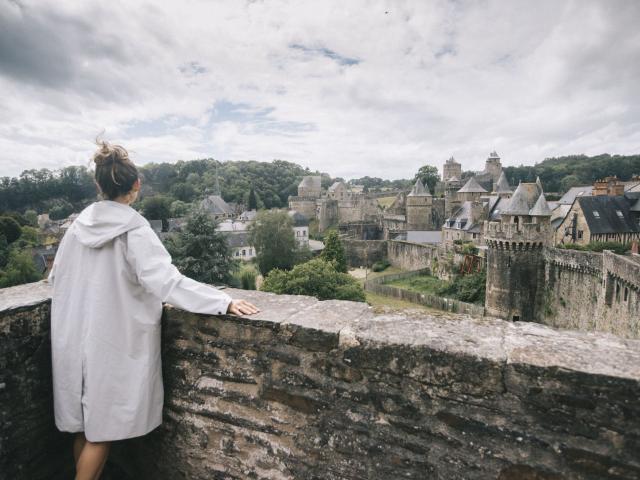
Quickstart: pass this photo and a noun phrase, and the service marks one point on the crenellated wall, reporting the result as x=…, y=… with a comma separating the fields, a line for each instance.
x=592, y=291
x=328, y=390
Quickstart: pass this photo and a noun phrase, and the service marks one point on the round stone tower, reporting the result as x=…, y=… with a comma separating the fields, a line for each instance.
x=419, y=208
x=515, y=266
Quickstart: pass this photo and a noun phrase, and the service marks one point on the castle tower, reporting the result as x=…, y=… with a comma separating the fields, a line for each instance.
x=493, y=166
x=515, y=268
x=451, y=169
x=419, y=208
x=471, y=192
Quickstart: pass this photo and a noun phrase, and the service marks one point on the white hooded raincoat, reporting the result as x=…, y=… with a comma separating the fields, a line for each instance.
x=110, y=277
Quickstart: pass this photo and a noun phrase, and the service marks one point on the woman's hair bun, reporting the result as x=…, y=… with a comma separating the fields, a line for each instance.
x=107, y=154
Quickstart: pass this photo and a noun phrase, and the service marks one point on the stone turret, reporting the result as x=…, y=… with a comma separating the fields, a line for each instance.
x=419, y=208
x=472, y=191
x=515, y=266
x=451, y=169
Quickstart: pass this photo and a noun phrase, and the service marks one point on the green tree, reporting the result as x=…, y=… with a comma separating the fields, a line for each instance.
x=201, y=252
x=19, y=269
x=271, y=234
x=10, y=229
x=570, y=181
x=61, y=210
x=334, y=251
x=428, y=175
x=32, y=217
x=253, y=201
x=157, y=207
x=317, y=278
x=179, y=209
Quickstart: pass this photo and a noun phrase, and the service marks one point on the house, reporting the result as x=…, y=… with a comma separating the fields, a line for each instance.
x=300, y=228
x=239, y=244
x=601, y=218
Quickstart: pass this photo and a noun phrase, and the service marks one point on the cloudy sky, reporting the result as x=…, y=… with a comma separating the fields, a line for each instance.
x=348, y=87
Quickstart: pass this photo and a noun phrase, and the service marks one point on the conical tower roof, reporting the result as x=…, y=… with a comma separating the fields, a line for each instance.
x=518, y=204
x=472, y=186
x=419, y=190
x=502, y=186
x=541, y=208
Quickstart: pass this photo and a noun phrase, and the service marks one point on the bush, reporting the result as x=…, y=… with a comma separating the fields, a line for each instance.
x=380, y=266
x=10, y=228
x=317, y=278
x=615, y=247
x=248, y=279
x=468, y=288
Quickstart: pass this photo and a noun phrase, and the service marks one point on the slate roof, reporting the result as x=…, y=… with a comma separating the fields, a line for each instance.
x=335, y=185
x=419, y=190
x=540, y=209
x=608, y=220
x=461, y=218
x=528, y=199
x=472, y=186
x=424, y=236
x=237, y=239
x=502, y=185
x=216, y=205
x=574, y=192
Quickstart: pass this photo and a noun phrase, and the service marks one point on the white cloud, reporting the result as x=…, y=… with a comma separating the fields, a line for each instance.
x=351, y=88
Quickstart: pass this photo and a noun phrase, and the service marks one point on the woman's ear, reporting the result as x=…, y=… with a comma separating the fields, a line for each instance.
x=136, y=184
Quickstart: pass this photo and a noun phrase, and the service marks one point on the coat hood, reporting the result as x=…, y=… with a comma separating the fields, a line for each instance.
x=102, y=221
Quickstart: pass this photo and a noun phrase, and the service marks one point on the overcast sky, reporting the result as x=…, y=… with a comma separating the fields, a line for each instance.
x=348, y=87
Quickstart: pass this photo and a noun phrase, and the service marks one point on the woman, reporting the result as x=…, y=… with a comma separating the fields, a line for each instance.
x=110, y=277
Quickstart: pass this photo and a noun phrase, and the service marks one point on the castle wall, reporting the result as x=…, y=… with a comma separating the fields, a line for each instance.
x=364, y=252
x=411, y=256
x=328, y=390
x=515, y=272
x=327, y=213
x=304, y=205
x=591, y=291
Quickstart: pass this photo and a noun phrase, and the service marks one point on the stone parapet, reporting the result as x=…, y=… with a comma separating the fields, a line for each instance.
x=329, y=390
x=503, y=235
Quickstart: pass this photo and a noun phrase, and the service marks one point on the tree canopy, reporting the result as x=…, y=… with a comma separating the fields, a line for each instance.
x=201, y=252
x=317, y=278
x=334, y=251
x=271, y=234
x=429, y=176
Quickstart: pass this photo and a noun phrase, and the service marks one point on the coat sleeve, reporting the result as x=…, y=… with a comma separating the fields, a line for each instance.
x=152, y=265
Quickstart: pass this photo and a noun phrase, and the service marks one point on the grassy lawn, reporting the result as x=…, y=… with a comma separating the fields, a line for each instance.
x=359, y=273
x=382, y=304
x=421, y=284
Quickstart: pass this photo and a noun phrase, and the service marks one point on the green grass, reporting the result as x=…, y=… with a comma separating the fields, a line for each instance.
x=420, y=284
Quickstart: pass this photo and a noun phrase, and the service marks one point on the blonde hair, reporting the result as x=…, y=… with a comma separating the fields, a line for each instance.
x=115, y=172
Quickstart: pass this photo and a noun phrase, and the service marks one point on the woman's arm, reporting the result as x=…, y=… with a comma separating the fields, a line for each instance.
x=152, y=265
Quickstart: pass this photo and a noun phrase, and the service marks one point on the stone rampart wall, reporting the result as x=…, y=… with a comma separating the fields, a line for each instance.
x=411, y=256
x=591, y=291
x=328, y=390
x=364, y=252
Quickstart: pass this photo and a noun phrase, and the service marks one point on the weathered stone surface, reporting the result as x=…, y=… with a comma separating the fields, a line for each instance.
x=328, y=390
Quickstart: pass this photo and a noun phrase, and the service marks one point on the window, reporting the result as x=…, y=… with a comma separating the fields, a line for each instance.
x=596, y=214
x=579, y=234
x=508, y=261
x=244, y=252
x=237, y=253
x=619, y=213
x=626, y=293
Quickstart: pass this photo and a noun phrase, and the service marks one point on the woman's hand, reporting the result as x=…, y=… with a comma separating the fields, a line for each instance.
x=242, y=307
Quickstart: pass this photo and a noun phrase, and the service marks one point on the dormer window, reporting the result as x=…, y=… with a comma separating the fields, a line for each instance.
x=619, y=213
x=596, y=214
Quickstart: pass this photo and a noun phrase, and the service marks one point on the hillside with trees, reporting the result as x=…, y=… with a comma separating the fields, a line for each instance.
x=561, y=173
